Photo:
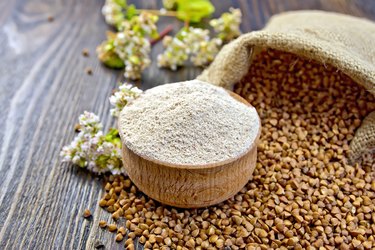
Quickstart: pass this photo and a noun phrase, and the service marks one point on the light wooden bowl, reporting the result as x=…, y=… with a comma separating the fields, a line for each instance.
x=191, y=186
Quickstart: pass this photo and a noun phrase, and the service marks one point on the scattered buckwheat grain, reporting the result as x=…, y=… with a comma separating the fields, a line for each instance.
x=85, y=52
x=86, y=214
x=102, y=224
x=112, y=228
x=88, y=71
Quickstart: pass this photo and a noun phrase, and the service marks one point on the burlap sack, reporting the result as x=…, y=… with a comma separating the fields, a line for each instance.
x=346, y=42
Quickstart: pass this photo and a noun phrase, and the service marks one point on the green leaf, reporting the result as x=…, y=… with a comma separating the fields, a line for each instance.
x=131, y=11
x=121, y=3
x=82, y=163
x=101, y=161
x=108, y=56
x=194, y=10
x=113, y=136
x=113, y=61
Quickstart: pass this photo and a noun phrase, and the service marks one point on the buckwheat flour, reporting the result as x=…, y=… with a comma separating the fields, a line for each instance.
x=190, y=122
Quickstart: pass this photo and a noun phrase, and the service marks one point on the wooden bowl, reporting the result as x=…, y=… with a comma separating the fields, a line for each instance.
x=191, y=186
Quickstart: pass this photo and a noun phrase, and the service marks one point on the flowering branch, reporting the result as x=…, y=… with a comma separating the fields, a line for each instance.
x=92, y=149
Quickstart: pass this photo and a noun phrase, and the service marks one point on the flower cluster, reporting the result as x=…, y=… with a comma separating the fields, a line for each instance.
x=143, y=24
x=125, y=94
x=134, y=51
x=202, y=49
x=92, y=150
x=228, y=25
x=174, y=54
x=193, y=43
x=130, y=47
x=113, y=12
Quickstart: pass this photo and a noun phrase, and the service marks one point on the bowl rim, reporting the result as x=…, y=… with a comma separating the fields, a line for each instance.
x=201, y=166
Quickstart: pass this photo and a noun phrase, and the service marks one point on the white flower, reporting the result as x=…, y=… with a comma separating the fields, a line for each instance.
x=124, y=95
x=90, y=149
x=228, y=25
x=76, y=159
x=193, y=43
x=132, y=45
x=174, y=55
x=206, y=52
x=113, y=13
x=163, y=11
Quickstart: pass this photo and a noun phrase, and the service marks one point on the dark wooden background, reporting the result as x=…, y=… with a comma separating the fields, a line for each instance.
x=43, y=89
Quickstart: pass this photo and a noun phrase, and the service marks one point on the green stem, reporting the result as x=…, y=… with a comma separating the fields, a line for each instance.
x=187, y=23
x=162, y=34
x=158, y=12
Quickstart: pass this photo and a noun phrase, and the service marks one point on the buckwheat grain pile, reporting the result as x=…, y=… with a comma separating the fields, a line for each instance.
x=303, y=194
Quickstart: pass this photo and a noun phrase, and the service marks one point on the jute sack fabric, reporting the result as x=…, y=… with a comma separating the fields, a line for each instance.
x=345, y=42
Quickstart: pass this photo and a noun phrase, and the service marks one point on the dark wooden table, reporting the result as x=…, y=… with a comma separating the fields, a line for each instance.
x=43, y=89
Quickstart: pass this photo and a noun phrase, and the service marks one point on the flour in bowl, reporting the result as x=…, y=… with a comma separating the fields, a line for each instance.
x=188, y=123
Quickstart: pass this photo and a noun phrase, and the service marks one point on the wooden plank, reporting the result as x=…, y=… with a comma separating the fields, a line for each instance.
x=43, y=89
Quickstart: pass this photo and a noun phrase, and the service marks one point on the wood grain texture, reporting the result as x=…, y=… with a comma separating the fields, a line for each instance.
x=189, y=186
x=43, y=89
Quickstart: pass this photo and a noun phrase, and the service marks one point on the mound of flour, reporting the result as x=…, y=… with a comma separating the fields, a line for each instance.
x=189, y=122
